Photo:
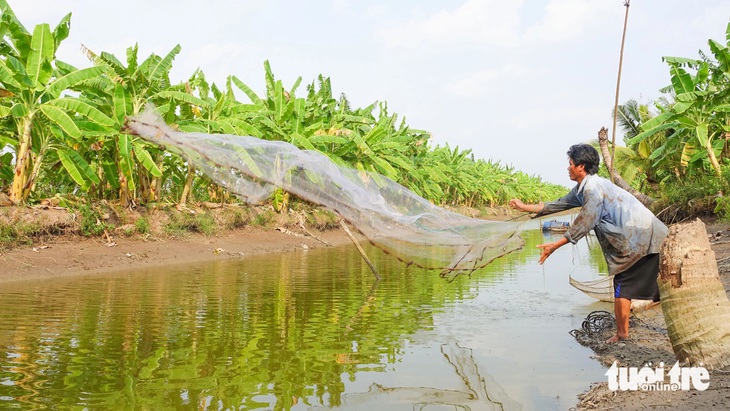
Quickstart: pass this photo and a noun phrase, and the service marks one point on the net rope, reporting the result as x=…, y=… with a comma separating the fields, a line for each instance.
x=390, y=216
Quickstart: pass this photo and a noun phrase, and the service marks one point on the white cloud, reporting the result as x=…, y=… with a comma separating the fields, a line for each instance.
x=374, y=10
x=495, y=22
x=339, y=6
x=34, y=12
x=714, y=17
x=480, y=83
x=564, y=19
x=219, y=59
x=491, y=22
x=531, y=119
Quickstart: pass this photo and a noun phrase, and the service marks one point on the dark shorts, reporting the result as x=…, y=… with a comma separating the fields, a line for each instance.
x=639, y=281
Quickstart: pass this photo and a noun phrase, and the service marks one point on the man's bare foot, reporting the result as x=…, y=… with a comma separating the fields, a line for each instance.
x=616, y=338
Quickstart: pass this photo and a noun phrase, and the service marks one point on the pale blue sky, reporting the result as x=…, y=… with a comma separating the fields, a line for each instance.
x=516, y=81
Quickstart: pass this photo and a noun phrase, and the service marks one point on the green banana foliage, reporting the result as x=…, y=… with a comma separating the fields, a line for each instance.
x=55, y=117
x=695, y=126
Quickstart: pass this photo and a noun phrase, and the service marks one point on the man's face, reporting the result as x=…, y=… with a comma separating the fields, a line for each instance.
x=575, y=172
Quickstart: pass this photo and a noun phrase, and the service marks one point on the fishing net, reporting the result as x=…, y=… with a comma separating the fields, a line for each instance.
x=390, y=216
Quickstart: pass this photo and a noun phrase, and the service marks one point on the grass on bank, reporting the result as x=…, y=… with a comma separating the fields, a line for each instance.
x=693, y=197
x=24, y=226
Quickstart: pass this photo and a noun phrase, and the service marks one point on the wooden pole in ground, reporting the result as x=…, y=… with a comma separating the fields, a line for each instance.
x=359, y=248
x=696, y=308
x=618, y=87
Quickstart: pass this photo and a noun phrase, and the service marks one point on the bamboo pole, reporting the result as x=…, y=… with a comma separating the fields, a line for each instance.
x=359, y=248
x=618, y=86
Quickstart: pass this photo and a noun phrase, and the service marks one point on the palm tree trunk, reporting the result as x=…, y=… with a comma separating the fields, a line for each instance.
x=615, y=177
x=18, y=192
x=695, y=305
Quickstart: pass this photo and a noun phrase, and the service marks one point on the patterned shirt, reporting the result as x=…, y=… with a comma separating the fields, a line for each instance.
x=625, y=228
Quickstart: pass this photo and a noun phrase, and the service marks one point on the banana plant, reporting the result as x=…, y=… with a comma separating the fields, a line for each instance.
x=34, y=91
x=81, y=134
x=132, y=165
x=639, y=163
x=215, y=111
x=701, y=113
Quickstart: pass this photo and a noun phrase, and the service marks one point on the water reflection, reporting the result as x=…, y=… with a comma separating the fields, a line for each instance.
x=479, y=391
x=290, y=331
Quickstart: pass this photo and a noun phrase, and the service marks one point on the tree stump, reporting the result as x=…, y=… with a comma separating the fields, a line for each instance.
x=696, y=308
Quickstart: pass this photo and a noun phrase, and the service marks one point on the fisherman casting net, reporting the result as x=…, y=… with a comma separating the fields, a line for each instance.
x=390, y=216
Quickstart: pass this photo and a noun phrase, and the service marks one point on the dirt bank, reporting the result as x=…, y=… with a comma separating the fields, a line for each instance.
x=53, y=241
x=59, y=248
x=63, y=257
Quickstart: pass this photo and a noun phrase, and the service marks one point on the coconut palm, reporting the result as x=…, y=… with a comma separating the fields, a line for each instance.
x=635, y=162
x=694, y=302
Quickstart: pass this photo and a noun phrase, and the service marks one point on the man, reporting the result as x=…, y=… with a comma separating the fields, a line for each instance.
x=629, y=234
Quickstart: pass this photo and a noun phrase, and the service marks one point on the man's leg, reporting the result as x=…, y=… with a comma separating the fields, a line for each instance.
x=622, y=310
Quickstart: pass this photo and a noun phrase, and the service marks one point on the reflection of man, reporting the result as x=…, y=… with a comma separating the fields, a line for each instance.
x=629, y=234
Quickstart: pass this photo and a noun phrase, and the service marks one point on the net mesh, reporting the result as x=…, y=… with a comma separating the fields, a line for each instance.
x=390, y=216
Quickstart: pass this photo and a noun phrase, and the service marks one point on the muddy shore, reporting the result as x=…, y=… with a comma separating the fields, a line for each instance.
x=72, y=257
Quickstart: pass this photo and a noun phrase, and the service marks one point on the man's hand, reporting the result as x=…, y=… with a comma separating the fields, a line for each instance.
x=547, y=249
x=516, y=203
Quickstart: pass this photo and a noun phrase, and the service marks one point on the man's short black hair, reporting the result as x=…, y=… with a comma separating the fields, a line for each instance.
x=585, y=154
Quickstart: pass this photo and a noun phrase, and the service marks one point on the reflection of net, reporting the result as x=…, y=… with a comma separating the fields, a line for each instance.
x=476, y=391
x=390, y=216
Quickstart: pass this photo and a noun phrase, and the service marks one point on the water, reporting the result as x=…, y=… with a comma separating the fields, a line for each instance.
x=303, y=330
